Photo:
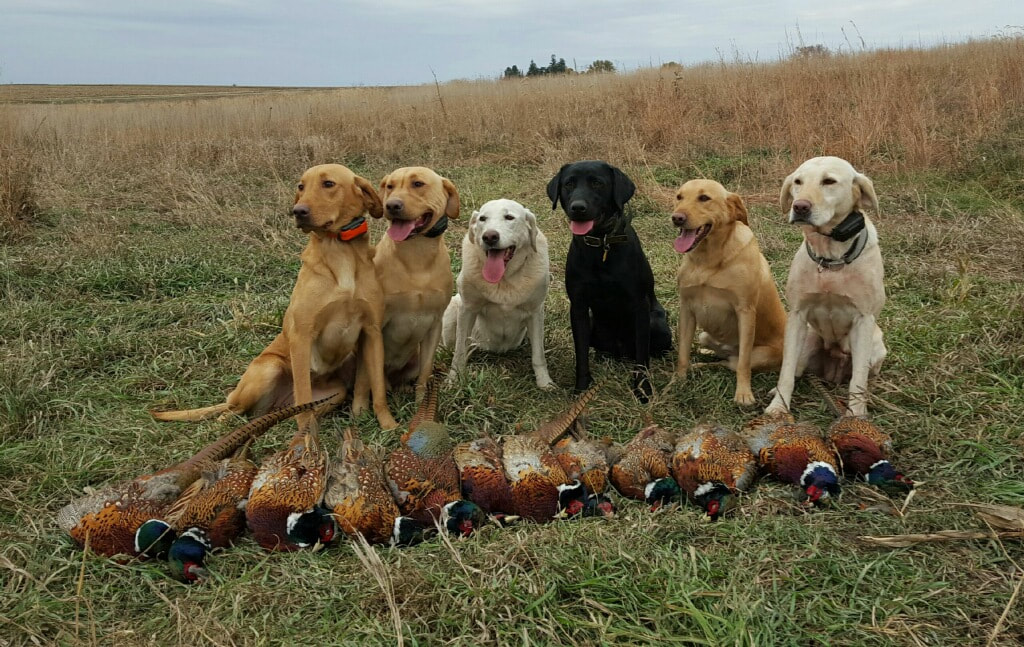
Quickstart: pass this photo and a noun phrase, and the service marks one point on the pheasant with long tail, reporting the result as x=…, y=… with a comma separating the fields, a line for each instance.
x=712, y=465
x=795, y=453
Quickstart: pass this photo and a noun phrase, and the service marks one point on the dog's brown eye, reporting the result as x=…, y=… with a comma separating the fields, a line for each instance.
x=828, y=180
x=703, y=197
x=390, y=186
x=328, y=184
x=597, y=184
x=509, y=216
x=569, y=184
x=482, y=219
x=417, y=184
x=302, y=186
x=679, y=196
x=798, y=181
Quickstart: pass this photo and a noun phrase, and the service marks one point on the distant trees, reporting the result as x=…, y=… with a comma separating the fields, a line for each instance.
x=555, y=66
x=600, y=66
x=811, y=51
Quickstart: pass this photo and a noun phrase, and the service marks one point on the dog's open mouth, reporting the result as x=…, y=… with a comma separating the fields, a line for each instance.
x=402, y=229
x=497, y=259
x=690, y=238
x=581, y=227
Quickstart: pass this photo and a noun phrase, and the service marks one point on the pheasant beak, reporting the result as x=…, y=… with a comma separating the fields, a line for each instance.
x=713, y=507
x=814, y=493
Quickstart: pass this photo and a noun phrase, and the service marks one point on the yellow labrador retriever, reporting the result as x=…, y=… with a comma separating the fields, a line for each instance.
x=502, y=286
x=336, y=307
x=725, y=285
x=835, y=289
x=415, y=274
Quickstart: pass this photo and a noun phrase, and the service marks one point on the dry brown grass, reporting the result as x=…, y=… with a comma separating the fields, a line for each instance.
x=885, y=111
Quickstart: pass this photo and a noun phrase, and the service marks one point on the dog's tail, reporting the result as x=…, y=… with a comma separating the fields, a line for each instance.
x=191, y=415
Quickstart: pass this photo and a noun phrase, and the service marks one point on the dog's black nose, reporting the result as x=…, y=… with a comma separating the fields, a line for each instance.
x=578, y=206
x=802, y=208
x=679, y=219
x=394, y=205
x=301, y=212
x=491, y=237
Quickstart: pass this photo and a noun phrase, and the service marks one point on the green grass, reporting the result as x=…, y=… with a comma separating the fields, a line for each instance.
x=106, y=313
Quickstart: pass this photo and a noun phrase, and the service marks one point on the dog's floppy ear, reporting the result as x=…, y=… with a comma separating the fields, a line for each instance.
x=383, y=187
x=555, y=188
x=785, y=197
x=864, y=193
x=371, y=201
x=472, y=226
x=531, y=225
x=622, y=188
x=451, y=208
x=737, y=208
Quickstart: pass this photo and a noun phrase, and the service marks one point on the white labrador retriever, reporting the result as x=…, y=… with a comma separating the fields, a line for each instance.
x=502, y=287
x=835, y=290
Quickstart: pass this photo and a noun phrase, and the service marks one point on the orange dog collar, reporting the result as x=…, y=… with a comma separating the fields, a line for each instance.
x=354, y=229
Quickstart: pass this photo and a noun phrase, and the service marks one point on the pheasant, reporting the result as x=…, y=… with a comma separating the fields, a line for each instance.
x=712, y=464
x=643, y=470
x=284, y=510
x=537, y=480
x=864, y=451
x=421, y=473
x=462, y=517
x=483, y=476
x=863, y=448
x=794, y=453
x=359, y=496
x=585, y=459
x=111, y=521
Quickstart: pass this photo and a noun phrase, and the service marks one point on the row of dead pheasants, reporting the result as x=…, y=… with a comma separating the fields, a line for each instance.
x=297, y=497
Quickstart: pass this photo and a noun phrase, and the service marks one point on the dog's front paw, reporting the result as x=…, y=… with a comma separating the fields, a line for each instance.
x=453, y=377
x=744, y=398
x=681, y=373
x=545, y=383
x=777, y=406
x=359, y=405
x=386, y=420
x=642, y=388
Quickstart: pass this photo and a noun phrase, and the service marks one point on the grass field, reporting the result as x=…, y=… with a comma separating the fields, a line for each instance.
x=147, y=255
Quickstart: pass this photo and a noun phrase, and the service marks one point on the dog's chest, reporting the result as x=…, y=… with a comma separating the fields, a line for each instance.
x=336, y=341
x=714, y=308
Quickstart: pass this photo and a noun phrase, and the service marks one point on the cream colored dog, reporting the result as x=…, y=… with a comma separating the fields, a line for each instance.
x=835, y=289
x=725, y=285
x=415, y=274
x=502, y=286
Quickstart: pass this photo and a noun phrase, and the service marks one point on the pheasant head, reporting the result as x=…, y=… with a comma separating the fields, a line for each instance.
x=662, y=492
x=820, y=483
x=188, y=555
x=715, y=498
x=408, y=532
x=154, y=538
x=883, y=475
x=462, y=517
x=598, y=505
x=572, y=498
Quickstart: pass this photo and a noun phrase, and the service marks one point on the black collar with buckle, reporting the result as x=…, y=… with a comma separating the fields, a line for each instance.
x=839, y=263
x=438, y=229
x=605, y=242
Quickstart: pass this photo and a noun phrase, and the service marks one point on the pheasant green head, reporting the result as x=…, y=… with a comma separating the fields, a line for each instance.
x=715, y=498
x=187, y=556
x=307, y=528
x=463, y=517
x=820, y=483
x=407, y=532
x=154, y=539
x=662, y=492
x=883, y=475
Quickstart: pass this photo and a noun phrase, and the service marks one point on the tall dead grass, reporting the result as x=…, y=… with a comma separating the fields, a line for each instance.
x=891, y=110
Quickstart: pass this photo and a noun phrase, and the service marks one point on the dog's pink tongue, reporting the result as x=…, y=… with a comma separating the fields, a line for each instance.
x=580, y=227
x=494, y=266
x=684, y=241
x=400, y=229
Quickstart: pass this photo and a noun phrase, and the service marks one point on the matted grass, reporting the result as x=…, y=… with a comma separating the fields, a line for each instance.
x=158, y=288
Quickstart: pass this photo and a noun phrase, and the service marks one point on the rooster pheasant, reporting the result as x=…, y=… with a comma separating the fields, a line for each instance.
x=285, y=510
x=712, y=464
x=585, y=459
x=483, y=476
x=110, y=520
x=794, y=453
x=537, y=480
x=863, y=448
x=421, y=473
x=643, y=471
x=358, y=494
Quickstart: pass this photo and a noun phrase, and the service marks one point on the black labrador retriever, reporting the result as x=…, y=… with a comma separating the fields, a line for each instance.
x=609, y=281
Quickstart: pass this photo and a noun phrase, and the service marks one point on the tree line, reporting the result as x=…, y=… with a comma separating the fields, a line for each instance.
x=557, y=66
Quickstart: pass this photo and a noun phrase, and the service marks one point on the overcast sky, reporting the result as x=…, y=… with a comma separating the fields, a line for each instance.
x=389, y=42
